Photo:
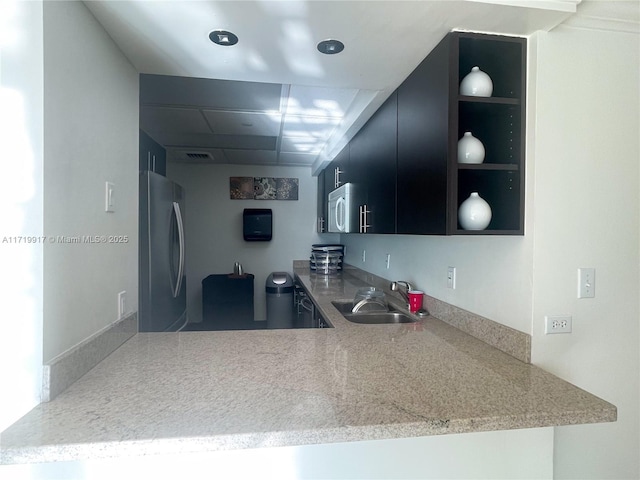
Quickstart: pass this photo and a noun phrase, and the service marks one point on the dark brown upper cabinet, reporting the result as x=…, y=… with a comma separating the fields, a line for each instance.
x=372, y=163
x=423, y=139
x=406, y=155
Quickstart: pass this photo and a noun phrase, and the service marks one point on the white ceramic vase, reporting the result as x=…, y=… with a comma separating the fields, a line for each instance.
x=476, y=84
x=470, y=149
x=474, y=213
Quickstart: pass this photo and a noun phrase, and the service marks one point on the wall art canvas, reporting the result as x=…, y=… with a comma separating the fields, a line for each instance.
x=241, y=188
x=263, y=188
x=287, y=188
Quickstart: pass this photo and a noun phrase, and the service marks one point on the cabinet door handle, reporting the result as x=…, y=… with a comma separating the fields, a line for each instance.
x=364, y=219
x=154, y=163
x=320, y=225
x=337, y=174
x=148, y=160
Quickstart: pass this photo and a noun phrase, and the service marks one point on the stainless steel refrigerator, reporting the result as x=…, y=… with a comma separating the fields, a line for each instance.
x=162, y=285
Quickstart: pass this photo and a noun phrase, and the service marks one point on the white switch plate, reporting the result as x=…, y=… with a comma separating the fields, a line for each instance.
x=451, y=277
x=122, y=304
x=108, y=197
x=586, y=282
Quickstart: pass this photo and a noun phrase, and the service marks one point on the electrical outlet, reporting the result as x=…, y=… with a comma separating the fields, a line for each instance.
x=364, y=256
x=557, y=324
x=451, y=277
x=586, y=282
x=388, y=260
x=122, y=304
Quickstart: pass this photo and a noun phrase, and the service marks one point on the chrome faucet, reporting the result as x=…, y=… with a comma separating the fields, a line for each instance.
x=395, y=287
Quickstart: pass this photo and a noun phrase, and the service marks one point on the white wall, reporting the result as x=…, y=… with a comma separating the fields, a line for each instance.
x=214, y=227
x=91, y=136
x=493, y=274
x=587, y=215
x=21, y=158
x=582, y=211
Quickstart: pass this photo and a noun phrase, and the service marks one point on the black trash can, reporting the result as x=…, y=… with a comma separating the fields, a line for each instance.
x=279, y=291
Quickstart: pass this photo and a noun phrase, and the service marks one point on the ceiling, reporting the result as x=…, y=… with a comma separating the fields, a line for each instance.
x=273, y=99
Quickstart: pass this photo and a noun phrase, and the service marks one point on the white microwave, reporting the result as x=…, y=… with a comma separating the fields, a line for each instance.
x=340, y=206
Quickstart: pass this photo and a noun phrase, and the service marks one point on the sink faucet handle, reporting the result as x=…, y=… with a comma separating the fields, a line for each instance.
x=395, y=287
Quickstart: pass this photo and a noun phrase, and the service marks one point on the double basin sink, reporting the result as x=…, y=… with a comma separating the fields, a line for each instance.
x=372, y=317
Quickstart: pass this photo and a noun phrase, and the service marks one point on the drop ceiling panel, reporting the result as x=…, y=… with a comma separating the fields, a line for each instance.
x=244, y=123
x=297, y=159
x=251, y=157
x=319, y=128
x=172, y=120
x=244, y=142
x=301, y=145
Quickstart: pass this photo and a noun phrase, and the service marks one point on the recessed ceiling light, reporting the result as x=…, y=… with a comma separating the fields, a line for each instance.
x=223, y=37
x=330, y=47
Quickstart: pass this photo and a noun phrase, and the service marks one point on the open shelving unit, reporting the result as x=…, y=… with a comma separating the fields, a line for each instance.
x=497, y=121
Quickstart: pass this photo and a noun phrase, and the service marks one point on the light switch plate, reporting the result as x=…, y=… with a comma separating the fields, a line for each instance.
x=451, y=277
x=108, y=197
x=122, y=304
x=586, y=282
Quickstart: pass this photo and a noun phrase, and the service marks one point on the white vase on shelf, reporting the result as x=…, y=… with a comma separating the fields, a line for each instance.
x=474, y=213
x=470, y=149
x=476, y=84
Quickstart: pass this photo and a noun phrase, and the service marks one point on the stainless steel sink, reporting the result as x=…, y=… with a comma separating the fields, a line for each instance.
x=390, y=316
x=378, y=317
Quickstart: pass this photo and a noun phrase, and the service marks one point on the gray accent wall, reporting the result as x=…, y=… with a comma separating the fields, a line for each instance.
x=214, y=227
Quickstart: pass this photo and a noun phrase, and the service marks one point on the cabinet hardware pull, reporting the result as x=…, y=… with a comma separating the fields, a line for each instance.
x=336, y=177
x=363, y=219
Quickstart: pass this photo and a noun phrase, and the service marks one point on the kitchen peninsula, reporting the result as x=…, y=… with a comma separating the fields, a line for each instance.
x=208, y=391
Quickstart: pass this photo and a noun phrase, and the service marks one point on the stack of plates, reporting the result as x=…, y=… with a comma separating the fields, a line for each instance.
x=329, y=250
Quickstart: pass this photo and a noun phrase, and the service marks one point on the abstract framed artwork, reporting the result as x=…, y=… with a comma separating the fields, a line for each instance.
x=263, y=188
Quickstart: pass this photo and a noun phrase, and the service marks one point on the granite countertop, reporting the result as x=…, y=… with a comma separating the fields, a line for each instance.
x=199, y=391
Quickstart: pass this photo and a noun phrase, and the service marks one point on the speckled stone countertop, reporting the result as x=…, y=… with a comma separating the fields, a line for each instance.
x=198, y=391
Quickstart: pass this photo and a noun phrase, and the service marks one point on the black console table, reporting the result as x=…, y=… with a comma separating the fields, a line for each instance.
x=227, y=302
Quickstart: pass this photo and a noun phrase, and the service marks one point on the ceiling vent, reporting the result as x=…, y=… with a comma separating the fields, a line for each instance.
x=182, y=156
x=198, y=156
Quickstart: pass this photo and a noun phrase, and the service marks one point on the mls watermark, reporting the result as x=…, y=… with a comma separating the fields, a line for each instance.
x=63, y=239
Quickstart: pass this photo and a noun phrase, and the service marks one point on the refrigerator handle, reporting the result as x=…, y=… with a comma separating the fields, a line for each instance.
x=176, y=209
